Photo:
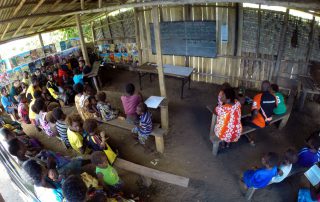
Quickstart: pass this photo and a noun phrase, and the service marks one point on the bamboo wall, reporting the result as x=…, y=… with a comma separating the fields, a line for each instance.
x=247, y=63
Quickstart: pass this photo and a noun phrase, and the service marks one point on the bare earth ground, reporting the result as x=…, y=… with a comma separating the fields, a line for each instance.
x=188, y=149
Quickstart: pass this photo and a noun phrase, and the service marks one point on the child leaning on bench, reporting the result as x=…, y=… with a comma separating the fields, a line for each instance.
x=144, y=128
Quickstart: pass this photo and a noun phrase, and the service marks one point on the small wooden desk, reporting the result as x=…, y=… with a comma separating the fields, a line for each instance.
x=307, y=86
x=179, y=72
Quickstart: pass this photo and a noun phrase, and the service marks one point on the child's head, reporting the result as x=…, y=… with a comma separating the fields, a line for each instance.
x=270, y=159
x=92, y=100
x=6, y=134
x=99, y=159
x=265, y=86
x=90, y=126
x=53, y=174
x=50, y=76
x=52, y=106
x=25, y=74
x=74, y=189
x=141, y=108
x=39, y=105
x=37, y=94
x=101, y=96
x=58, y=114
x=17, y=148
x=90, y=91
x=78, y=88
x=4, y=91
x=76, y=71
x=35, y=81
x=228, y=95
x=130, y=88
x=225, y=85
x=22, y=98
x=290, y=156
x=50, y=118
x=75, y=122
x=35, y=171
x=275, y=87
x=314, y=142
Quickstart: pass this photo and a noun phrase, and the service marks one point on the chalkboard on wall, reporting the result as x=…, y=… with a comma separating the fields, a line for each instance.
x=187, y=38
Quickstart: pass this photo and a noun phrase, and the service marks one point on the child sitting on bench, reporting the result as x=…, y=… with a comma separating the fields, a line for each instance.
x=144, y=128
x=281, y=107
x=105, y=110
x=261, y=177
x=97, y=141
x=310, y=155
x=61, y=125
x=130, y=103
x=23, y=109
x=290, y=157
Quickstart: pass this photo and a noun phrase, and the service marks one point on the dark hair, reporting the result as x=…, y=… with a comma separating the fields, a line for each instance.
x=101, y=96
x=74, y=118
x=76, y=71
x=98, y=157
x=38, y=105
x=34, y=170
x=21, y=97
x=291, y=156
x=26, y=72
x=78, y=88
x=230, y=94
x=57, y=113
x=98, y=197
x=130, y=88
x=50, y=118
x=52, y=106
x=90, y=98
x=265, y=85
x=225, y=85
x=275, y=87
x=37, y=94
x=314, y=141
x=74, y=189
x=49, y=74
x=3, y=89
x=38, y=69
x=14, y=147
x=272, y=159
x=90, y=125
x=143, y=107
x=34, y=79
x=5, y=132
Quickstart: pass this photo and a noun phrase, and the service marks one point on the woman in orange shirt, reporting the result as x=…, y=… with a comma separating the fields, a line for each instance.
x=228, y=127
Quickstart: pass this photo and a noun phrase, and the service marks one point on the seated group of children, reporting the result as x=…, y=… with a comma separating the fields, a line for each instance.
x=275, y=172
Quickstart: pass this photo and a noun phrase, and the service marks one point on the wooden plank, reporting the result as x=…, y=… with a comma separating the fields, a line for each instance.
x=152, y=173
x=137, y=34
x=82, y=42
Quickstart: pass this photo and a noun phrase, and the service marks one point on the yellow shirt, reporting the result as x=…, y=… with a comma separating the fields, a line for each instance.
x=26, y=81
x=31, y=90
x=32, y=114
x=75, y=139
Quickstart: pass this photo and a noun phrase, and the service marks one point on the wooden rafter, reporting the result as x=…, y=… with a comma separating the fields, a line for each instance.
x=99, y=3
x=34, y=9
x=13, y=15
x=82, y=4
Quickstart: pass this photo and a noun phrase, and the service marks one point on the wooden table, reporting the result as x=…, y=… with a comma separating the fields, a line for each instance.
x=179, y=72
x=307, y=86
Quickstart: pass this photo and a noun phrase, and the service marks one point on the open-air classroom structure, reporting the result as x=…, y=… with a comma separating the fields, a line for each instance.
x=183, y=51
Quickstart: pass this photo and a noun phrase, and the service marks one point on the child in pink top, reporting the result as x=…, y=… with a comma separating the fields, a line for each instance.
x=130, y=103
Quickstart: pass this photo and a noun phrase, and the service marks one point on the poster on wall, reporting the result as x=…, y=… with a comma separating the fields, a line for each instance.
x=49, y=49
x=17, y=72
x=74, y=42
x=63, y=45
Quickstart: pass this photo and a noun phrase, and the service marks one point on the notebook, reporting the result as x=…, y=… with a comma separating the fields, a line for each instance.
x=313, y=175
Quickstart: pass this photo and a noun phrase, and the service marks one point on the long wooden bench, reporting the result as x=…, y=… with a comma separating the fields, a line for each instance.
x=157, y=132
x=275, y=118
x=149, y=173
x=249, y=193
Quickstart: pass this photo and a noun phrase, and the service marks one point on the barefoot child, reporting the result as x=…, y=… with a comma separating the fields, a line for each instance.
x=107, y=175
x=144, y=128
x=261, y=177
x=61, y=125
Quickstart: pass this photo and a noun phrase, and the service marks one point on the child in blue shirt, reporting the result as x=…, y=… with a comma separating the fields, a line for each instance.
x=144, y=128
x=261, y=177
x=78, y=76
x=310, y=155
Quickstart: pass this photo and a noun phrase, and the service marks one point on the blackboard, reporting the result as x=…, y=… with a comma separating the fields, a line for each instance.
x=187, y=38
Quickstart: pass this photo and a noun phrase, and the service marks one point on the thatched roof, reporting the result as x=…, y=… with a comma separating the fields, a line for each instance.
x=21, y=18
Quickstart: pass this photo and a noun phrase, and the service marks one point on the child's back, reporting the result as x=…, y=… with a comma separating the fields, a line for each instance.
x=145, y=123
x=307, y=157
x=259, y=178
x=281, y=105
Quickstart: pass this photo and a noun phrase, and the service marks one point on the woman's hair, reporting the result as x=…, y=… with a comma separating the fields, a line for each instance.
x=230, y=94
x=78, y=88
x=101, y=96
x=98, y=157
x=74, y=189
x=34, y=170
x=73, y=118
x=130, y=88
x=90, y=125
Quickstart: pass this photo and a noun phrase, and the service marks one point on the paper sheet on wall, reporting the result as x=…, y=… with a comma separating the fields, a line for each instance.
x=313, y=175
x=153, y=101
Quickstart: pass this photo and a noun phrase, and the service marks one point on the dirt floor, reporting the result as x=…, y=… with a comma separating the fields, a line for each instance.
x=188, y=149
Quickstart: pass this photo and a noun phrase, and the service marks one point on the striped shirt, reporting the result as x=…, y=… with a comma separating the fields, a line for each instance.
x=62, y=130
x=145, y=124
x=307, y=158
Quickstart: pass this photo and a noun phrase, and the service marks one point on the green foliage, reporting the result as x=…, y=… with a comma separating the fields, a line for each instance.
x=72, y=32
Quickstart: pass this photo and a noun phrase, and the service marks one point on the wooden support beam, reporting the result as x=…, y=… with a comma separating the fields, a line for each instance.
x=156, y=27
x=40, y=39
x=99, y=3
x=82, y=42
x=258, y=32
x=82, y=4
x=92, y=33
x=282, y=43
x=186, y=17
x=137, y=34
x=152, y=173
x=310, y=44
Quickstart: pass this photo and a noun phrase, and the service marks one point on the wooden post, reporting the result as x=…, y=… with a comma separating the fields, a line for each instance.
x=186, y=17
x=144, y=46
x=310, y=43
x=137, y=33
x=258, y=32
x=41, y=43
x=239, y=42
x=93, y=34
x=82, y=42
x=164, y=113
x=282, y=43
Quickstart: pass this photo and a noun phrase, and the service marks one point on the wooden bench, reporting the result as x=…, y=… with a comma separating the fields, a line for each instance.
x=246, y=129
x=250, y=191
x=157, y=132
x=149, y=173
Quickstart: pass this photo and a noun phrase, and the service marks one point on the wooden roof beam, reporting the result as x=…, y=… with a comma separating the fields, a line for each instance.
x=99, y=3
x=82, y=4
